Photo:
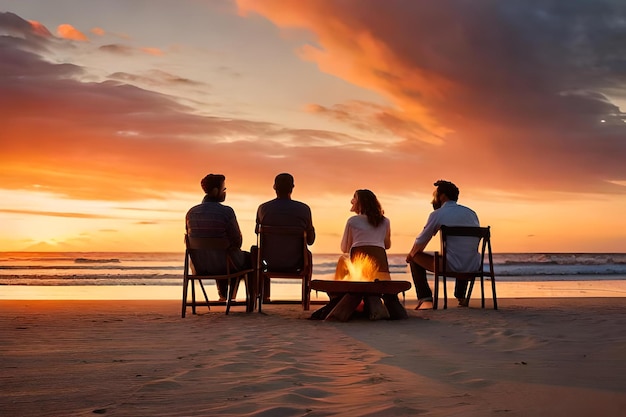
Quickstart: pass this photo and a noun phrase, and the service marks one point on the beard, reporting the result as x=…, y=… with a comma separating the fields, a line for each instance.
x=436, y=205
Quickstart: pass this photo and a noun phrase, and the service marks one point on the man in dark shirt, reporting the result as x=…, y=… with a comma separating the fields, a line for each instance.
x=283, y=211
x=211, y=218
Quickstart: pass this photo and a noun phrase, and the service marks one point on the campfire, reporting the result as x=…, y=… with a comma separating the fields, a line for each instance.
x=359, y=286
x=360, y=268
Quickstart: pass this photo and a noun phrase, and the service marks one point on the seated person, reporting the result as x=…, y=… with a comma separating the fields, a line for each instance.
x=283, y=211
x=367, y=234
x=211, y=218
x=462, y=252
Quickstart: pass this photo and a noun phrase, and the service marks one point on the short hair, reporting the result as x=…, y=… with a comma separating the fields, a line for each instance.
x=211, y=182
x=283, y=183
x=448, y=189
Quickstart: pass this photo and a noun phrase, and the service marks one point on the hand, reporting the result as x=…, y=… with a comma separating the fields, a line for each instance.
x=409, y=258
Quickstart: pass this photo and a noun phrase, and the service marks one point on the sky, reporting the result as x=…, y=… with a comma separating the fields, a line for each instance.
x=112, y=112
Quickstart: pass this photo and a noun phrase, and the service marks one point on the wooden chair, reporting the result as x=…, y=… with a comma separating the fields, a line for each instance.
x=220, y=246
x=483, y=234
x=294, y=238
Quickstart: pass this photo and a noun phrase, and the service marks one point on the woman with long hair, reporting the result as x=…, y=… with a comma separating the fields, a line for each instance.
x=367, y=235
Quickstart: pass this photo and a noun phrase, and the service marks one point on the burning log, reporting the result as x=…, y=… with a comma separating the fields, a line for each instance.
x=345, y=307
x=394, y=307
x=375, y=308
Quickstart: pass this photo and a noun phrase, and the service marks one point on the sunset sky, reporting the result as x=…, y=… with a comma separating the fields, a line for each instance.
x=112, y=111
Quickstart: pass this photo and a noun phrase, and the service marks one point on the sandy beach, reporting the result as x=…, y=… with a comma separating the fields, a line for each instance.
x=532, y=357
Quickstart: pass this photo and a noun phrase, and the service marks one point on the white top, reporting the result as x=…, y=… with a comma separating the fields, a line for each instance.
x=462, y=251
x=359, y=232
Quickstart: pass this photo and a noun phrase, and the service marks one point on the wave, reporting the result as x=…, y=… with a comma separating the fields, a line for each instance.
x=118, y=268
x=84, y=267
x=97, y=261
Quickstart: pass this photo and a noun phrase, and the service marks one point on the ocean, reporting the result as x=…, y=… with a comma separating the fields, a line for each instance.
x=165, y=269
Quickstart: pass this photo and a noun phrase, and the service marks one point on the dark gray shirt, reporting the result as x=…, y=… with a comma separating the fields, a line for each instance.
x=285, y=212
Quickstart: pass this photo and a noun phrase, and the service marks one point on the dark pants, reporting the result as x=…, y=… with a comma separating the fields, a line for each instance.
x=423, y=262
x=242, y=260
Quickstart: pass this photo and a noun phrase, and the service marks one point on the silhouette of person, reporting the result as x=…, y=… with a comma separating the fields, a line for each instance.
x=211, y=218
x=462, y=252
x=284, y=211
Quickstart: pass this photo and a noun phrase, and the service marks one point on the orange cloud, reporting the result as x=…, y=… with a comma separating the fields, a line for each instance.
x=98, y=31
x=475, y=86
x=68, y=31
x=116, y=141
x=152, y=51
x=40, y=29
x=58, y=214
x=348, y=48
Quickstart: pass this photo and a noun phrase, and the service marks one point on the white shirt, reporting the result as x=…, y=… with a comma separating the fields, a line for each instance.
x=359, y=232
x=462, y=251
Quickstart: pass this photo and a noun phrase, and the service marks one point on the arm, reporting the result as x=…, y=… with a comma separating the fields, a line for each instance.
x=258, y=220
x=310, y=230
x=388, y=236
x=346, y=240
x=430, y=229
x=233, y=232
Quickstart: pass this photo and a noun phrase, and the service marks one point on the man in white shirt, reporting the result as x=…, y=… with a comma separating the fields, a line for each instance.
x=462, y=251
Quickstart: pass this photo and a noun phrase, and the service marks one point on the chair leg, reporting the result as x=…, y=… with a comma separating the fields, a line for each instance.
x=445, y=293
x=250, y=300
x=228, y=295
x=469, y=291
x=185, y=285
x=306, y=295
x=232, y=286
x=482, y=291
x=193, y=296
x=249, y=305
x=261, y=285
x=493, y=290
x=436, y=293
x=206, y=297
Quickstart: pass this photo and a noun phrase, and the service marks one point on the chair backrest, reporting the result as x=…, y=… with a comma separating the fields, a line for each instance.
x=482, y=237
x=282, y=248
x=209, y=255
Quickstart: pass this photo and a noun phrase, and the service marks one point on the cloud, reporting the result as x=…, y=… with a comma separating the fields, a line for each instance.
x=476, y=97
x=126, y=50
x=40, y=29
x=28, y=36
x=98, y=31
x=113, y=140
x=67, y=31
x=58, y=214
x=152, y=51
x=155, y=77
x=118, y=49
x=504, y=92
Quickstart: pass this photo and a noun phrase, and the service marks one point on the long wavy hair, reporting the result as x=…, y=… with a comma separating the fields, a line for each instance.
x=369, y=205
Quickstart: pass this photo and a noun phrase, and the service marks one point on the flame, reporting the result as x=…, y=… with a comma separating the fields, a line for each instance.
x=361, y=268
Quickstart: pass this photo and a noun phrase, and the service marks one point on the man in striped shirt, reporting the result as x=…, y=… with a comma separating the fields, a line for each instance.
x=211, y=218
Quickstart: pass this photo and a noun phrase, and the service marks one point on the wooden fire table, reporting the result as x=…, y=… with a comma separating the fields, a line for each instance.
x=380, y=298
